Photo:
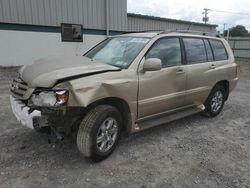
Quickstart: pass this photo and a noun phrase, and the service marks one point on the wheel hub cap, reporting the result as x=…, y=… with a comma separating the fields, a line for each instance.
x=107, y=134
x=217, y=101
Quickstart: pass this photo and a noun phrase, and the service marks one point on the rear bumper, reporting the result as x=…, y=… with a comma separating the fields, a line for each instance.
x=233, y=84
x=21, y=111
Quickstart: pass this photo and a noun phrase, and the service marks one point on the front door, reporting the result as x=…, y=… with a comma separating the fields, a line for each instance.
x=163, y=90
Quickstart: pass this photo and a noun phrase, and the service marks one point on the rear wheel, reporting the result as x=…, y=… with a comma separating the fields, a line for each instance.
x=99, y=132
x=215, y=101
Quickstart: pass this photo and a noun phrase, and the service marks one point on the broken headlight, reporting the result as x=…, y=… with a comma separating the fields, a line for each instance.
x=50, y=98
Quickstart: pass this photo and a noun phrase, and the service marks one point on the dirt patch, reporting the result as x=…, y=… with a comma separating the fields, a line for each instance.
x=192, y=152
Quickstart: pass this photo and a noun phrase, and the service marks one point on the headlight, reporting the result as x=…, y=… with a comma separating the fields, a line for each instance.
x=50, y=98
x=62, y=97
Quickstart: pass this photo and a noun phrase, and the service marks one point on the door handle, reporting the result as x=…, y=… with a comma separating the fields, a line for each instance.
x=212, y=66
x=180, y=71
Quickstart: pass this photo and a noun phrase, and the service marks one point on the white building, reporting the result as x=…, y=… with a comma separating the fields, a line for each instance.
x=31, y=29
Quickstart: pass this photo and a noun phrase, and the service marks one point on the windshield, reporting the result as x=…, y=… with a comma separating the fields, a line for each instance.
x=117, y=51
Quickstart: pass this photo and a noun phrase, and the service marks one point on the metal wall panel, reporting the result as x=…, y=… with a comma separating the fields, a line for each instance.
x=79, y=13
x=69, y=7
x=241, y=53
x=94, y=15
x=40, y=13
x=65, y=11
x=13, y=10
x=75, y=10
x=90, y=13
x=243, y=44
x=1, y=11
x=27, y=11
x=34, y=12
x=47, y=12
x=141, y=23
x=240, y=46
x=6, y=11
x=53, y=12
x=21, y=11
x=118, y=17
x=58, y=10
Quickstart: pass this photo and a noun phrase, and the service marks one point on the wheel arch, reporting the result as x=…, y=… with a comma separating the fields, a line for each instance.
x=225, y=84
x=121, y=105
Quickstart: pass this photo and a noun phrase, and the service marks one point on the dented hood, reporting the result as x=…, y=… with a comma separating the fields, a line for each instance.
x=47, y=72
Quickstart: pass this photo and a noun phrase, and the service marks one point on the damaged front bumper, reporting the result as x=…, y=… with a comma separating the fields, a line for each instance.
x=22, y=112
x=62, y=119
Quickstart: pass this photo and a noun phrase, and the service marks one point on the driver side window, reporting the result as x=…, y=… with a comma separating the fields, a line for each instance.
x=168, y=50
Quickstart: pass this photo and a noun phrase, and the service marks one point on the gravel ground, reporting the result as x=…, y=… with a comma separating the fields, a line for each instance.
x=192, y=152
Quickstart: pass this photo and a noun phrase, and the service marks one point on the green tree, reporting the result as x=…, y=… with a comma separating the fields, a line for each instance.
x=237, y=31
x=225, y=33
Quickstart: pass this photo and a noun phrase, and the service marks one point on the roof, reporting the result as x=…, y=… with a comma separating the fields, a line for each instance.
x=169, y=20
x=190, y=33
x=141, y=34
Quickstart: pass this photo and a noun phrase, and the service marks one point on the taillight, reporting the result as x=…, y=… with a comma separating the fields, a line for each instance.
x=237, y=70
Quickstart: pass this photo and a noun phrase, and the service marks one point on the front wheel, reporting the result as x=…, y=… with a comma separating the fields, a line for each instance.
x=99, y=132
x=215, y=101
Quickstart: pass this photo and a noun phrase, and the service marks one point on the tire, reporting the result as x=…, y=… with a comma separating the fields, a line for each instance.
x=97, y=124
x=215, y=101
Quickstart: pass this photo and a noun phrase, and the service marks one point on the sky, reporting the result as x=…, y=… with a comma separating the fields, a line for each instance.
x=191, y=10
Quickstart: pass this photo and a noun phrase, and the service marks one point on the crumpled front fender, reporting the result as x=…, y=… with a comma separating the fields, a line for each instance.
x=122, y=85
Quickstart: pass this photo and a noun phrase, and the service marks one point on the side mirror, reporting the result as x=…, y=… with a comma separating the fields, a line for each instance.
x=152, y=64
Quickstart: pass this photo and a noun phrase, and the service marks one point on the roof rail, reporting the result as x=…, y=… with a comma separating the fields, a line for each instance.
x=178, y=31
x=192, y=32
x=144, y=31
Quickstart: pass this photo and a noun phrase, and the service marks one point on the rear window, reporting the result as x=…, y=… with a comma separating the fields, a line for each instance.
x=209, y=51
x=219, y=50
x=195, y=50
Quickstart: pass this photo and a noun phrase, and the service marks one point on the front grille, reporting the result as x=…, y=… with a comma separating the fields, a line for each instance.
x=19, y=88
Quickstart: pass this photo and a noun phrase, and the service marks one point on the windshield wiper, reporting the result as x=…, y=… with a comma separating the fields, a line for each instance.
x=119, y=66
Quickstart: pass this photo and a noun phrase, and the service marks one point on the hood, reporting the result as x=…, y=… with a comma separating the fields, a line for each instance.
x=47, y=72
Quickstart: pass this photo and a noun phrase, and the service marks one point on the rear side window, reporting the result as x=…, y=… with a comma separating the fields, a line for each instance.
x=168, y=50
x=209, y=51
x=195, y=50
x=219, y=50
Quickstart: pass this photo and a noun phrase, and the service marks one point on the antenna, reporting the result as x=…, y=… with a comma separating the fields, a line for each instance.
x=189, y=26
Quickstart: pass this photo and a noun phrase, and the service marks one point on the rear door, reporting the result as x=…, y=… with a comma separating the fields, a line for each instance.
x=201, y=68
x=163, y=90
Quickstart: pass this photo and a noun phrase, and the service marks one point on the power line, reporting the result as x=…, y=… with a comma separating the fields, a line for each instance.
x=229, y=12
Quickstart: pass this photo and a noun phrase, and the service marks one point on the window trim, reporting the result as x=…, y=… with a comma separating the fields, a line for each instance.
x=168, y=37
x=211, y=48
x=205, y=49
x=205, y=39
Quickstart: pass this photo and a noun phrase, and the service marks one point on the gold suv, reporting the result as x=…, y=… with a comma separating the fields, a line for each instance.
x=127, y=83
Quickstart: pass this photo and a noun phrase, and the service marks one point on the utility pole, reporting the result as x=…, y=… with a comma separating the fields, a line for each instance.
x=228, y=31
x=205, y=18
x=224, y=27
